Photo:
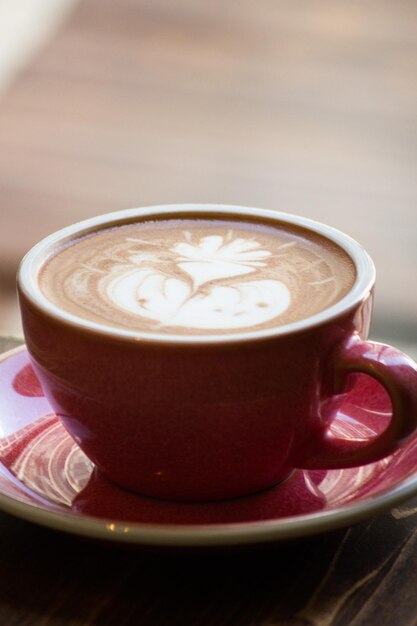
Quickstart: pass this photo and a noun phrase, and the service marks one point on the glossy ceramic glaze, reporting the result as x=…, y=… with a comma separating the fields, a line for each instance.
x=45, y=477
x=206, y=418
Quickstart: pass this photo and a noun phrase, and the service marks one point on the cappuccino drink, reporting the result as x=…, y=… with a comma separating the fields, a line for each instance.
x=191, y=350
x=197, y=276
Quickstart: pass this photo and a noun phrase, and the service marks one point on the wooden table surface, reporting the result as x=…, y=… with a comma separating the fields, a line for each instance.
x=362, y=576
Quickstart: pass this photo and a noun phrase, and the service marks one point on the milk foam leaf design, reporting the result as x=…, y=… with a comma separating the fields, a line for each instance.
x=160, y=294
x=214, y=258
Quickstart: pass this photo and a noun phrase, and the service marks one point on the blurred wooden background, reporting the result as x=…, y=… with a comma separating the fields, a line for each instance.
x=307, y=107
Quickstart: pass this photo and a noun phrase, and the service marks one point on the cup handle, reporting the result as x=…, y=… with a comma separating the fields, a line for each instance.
x=398, y=374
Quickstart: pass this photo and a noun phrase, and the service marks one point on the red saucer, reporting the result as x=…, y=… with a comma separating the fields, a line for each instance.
x=46, y=478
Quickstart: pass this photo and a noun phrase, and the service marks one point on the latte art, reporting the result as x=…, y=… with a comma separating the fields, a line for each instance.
x=175, y=301
x=171, y=302
x=197, y=276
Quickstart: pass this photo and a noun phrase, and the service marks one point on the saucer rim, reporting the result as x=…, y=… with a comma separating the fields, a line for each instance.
x=206, y=535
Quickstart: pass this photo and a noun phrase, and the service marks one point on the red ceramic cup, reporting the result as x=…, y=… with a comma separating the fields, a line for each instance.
x=201, y=418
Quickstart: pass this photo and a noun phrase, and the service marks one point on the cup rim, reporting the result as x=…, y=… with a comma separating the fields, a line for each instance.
x=34, y=259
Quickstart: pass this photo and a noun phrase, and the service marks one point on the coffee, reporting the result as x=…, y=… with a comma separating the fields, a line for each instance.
x=197, y=276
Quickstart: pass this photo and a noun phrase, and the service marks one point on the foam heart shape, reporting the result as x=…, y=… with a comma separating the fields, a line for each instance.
x=172, y=301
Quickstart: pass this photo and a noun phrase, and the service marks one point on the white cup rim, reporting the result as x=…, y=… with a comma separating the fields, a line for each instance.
x=32, y=262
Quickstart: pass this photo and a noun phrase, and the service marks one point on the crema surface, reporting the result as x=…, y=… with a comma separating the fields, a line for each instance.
x=197, y=276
